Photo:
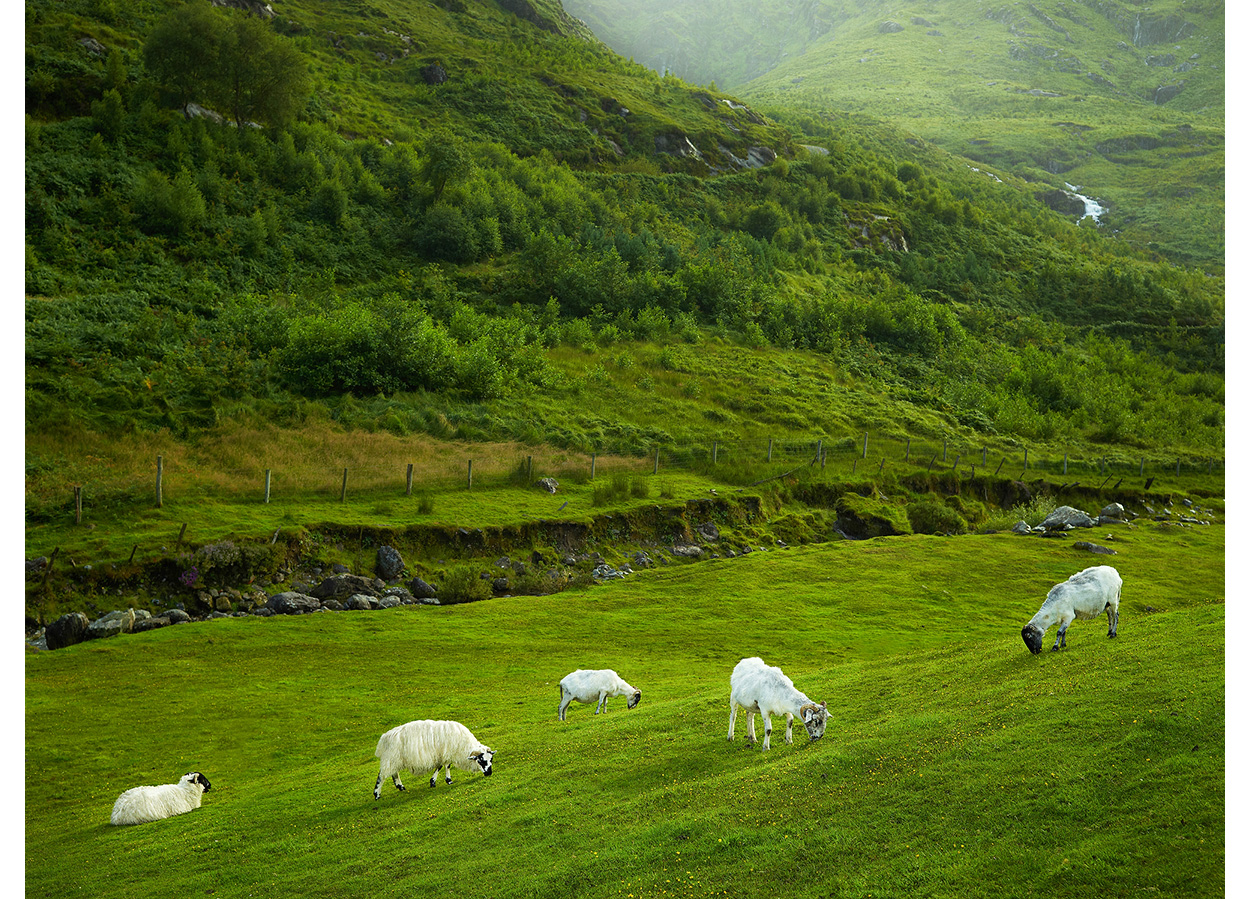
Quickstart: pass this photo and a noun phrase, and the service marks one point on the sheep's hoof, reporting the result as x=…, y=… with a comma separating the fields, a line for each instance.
x=400, y=787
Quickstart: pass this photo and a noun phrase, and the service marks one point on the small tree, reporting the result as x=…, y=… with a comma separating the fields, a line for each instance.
x=184, y=51
x=263, y=76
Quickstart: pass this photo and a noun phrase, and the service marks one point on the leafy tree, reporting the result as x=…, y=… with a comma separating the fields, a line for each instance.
x=238, y=61
x=263, y=76
x=184, y=51
x=444, y=159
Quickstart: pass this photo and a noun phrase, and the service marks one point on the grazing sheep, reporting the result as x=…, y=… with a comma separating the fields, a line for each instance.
x=419, y=746
x=1085, y=595
x=140, y=805
x=595, y=686
x=756, y=687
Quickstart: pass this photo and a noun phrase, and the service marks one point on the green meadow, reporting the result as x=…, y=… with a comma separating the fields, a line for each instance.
x=955, y=763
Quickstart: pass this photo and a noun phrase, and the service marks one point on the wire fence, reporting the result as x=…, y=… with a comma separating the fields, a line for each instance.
x=732, y=462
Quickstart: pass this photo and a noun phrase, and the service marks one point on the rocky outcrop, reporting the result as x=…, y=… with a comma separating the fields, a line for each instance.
x=389, y=564
x=1065, y=518
x=340, y=586
x=1165, y=92
x=1062, y=202
x=67, y=630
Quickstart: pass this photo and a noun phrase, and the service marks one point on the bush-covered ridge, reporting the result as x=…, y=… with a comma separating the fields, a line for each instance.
x=177, y=268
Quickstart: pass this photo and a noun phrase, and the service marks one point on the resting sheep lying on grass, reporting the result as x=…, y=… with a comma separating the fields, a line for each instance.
x=140, y=805
x=420, y=746
x=595, y=686
x=1085, y=595
x=756, y=687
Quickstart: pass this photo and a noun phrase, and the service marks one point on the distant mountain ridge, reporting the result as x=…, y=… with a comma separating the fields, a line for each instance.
x=1125, y=100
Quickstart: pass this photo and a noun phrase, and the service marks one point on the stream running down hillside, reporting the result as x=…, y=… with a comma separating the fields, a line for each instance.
x=1093, y=209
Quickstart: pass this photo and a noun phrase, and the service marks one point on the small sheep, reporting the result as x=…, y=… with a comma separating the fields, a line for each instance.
x=756, y=687
x=595, y=686
x=1085, y=595
x=419, y=746
x=140, y=805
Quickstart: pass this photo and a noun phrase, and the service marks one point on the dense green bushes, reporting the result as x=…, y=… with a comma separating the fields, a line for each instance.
x=175, y=263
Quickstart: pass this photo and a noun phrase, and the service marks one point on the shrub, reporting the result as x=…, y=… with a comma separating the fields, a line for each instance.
x=929, y=515
x=463, y=584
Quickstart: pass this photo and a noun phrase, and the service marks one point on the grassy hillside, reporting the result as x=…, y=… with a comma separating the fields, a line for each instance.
x=553, y=249
x=955, y=763
x=1125, y=102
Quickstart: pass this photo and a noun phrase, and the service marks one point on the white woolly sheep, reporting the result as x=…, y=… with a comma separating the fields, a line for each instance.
x=756, y=687
x=1085, y=595
x=595, y=685
x=139, y=805
x=420, y=746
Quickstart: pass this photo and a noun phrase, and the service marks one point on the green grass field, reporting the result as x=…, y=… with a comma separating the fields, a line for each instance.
x=955, y=763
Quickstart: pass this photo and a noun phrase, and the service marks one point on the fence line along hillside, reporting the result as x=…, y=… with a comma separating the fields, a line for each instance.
x=734, y=462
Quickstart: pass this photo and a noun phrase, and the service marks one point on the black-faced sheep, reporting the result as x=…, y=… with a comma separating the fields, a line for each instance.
x=595, y=686
x=139, y=805
x=756, y=687
x=1085, y=595
x=421, y=746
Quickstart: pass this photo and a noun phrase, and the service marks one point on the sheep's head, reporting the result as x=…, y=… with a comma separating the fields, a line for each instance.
x=483, y=758
x=1032, y=635
x=814, y=719
x=195, y=777
x=634, y=699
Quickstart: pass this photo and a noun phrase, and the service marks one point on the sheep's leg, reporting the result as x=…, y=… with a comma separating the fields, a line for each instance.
x=1061, y=638
x=377, y=788
x=1113, y=619
x=750, y=725
x=603, y=702
x=565, y=699
x=396, y=781
x=789, y=728
x=733, y=717
x=768, y=727
x=446, y=774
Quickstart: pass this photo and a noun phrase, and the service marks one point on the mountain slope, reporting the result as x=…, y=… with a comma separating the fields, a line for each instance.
x=1124, y=102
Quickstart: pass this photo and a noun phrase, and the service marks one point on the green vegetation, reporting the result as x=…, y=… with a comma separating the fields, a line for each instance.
x=955, y=762
x=1123, y=100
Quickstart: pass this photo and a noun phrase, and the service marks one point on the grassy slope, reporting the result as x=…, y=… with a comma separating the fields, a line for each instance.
x=1159, y=167
x=956, y=764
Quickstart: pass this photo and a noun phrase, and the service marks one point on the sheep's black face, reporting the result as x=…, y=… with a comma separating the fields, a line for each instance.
x=1032, y=638
x=815, y=717
x=198, y=778
x=634, y=700
x=483, y=760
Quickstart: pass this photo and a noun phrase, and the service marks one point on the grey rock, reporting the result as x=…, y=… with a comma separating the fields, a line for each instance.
x=359, y=602
x=1112, y=510
x=889, y=28
x=340, y=586
x=1093, y=547
x=390, y=564
x=687, y=550
x=118, y=621
x=389, y=602
x=548, y=484
x=67, y=630
x=421, y=590
x=1021, y=527
x=292, y=603
x=1065, y=518
x=177, y=616
x=708, y=531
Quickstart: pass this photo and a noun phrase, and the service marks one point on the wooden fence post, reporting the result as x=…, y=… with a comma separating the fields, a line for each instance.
x=820, y=452
x=656, y=469
x=160, y=471
x=408, y=485
x=983, y=452
x=182, y=532
x=1000, y=466
x=592, y=465
x=943, y=451
x=714, y=449
x=470, y=486
x=770, y=449
x=1026, y=458
x=268, y=481
x=881, y=467
x=343, y=492
x=865, y=453
x=958, y=456
x=907, y=452
x=529, y=469
x=1141, y=468
x=78, y=504
x=934, y=459
x=1065, y=465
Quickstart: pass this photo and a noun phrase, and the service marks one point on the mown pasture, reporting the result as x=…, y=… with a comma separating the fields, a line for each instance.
x=955, y=763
